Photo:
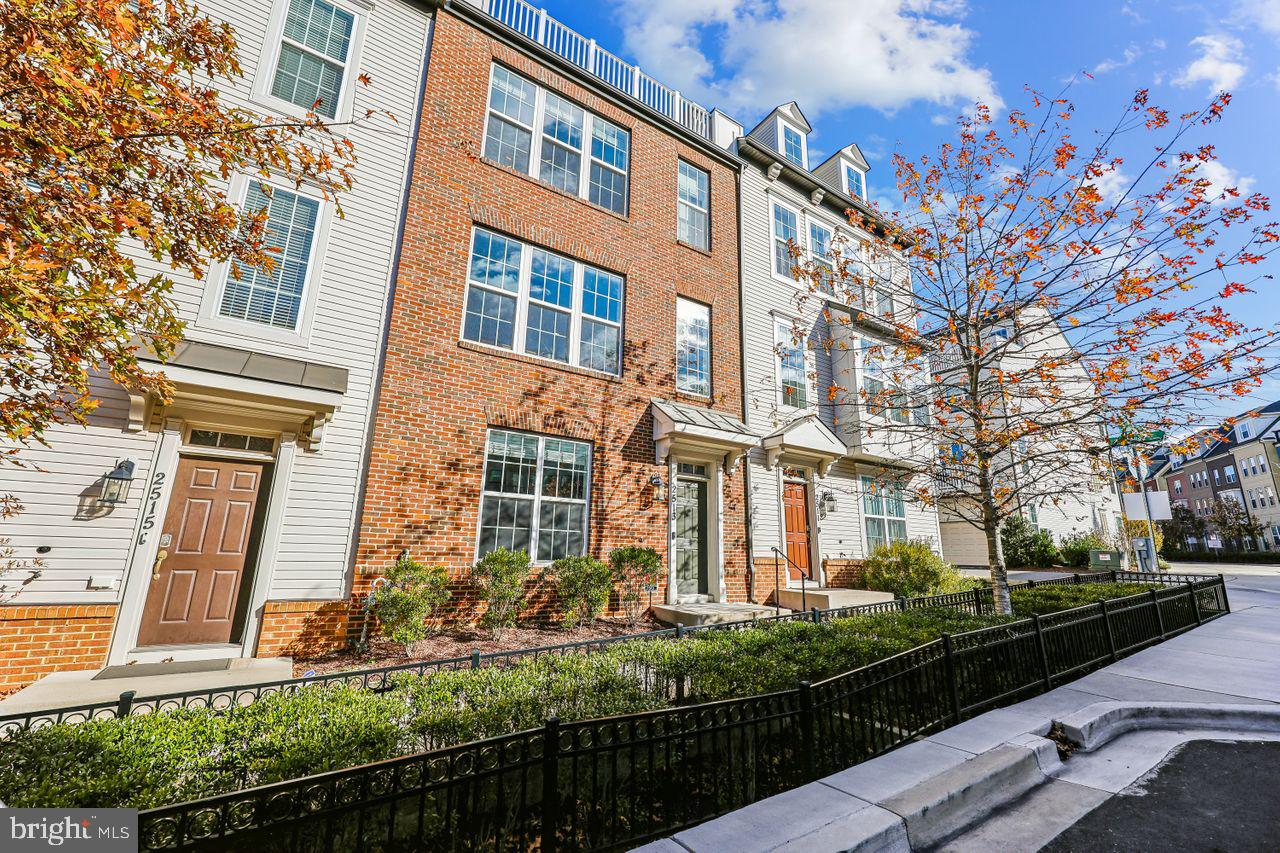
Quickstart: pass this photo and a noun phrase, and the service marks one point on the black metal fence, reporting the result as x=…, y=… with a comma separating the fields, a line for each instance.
x=613, y=783
x=379, y=679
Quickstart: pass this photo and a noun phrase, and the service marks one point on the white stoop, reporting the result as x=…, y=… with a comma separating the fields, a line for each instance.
x=89, y=686
x=825, y=598
x=710, y=612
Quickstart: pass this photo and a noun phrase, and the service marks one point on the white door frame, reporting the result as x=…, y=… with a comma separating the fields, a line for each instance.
x=716, y=587
x=810, y=481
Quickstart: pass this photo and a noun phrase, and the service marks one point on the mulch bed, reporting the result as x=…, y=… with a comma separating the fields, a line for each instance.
x=461, y=641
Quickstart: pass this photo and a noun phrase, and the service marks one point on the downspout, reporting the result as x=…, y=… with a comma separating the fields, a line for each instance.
x=376, y=397
x=742, y=372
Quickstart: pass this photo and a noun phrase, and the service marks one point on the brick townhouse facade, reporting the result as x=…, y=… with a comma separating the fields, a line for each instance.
x=558, y=233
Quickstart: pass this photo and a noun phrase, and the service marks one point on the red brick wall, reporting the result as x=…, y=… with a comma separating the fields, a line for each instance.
x=40, y=639
x=304, y=628
x=846, y=574
x=440, y=394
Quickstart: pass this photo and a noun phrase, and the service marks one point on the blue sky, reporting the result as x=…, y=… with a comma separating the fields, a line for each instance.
x=891, y=74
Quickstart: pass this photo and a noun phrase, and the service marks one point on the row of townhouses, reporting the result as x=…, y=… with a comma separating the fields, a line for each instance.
x=1238, y=465
x=558, y=315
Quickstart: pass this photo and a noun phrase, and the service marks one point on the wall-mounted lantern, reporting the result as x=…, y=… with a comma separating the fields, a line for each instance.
x=115, y=486
x=826, y=504
x=657, y=489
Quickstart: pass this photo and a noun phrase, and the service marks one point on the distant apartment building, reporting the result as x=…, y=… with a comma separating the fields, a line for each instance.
x=562, y=360
x=235, y=529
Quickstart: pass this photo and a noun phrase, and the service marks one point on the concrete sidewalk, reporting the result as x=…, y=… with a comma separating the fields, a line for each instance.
x=932, y=790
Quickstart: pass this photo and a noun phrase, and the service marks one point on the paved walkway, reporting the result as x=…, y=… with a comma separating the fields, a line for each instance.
x=1232, y=661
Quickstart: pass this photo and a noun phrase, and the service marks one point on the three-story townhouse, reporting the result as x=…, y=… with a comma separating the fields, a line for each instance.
x=233, y=536
x=561, y=369
x=817, y=503
x=1253, y=458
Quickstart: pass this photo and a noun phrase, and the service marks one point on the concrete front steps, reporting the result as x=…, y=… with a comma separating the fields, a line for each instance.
x=826, y=598
x=90, y=686
x=710, y=612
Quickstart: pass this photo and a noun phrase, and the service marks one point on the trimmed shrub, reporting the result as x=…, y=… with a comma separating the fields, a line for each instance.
x=501, y=576
x=1025, y=546
x=409, y=594
x=911, y=569
x=583, y=585
x=1055, y=597
x=636, y=571
x=1075, y=548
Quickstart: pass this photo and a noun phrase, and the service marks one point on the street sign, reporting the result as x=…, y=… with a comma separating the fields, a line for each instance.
x=1158, y=502
x=1129, y=436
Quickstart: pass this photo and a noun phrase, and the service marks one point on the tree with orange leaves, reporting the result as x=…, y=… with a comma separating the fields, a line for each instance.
x=116, y=145
x=1056, y=294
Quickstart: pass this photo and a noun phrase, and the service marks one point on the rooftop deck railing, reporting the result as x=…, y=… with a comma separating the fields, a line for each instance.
x=534, y=23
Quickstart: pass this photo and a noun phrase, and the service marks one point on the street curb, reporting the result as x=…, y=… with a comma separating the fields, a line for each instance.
x=1094, y=725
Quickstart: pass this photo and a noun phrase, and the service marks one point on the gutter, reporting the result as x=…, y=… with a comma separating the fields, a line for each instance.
x=376, y=397
x=742, y=374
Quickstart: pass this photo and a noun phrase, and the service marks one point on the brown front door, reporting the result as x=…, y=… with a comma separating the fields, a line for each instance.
x=795, y=511
x=203, y=546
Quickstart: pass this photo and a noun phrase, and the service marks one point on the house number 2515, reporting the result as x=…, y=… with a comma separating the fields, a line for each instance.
x=153, y=502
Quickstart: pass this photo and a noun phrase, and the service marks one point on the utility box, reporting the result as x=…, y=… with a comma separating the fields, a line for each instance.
x=1105, y=561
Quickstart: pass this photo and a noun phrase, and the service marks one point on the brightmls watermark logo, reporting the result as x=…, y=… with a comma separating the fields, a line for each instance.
x=73, y=830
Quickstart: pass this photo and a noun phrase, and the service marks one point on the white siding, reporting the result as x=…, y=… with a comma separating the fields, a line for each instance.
x=345, y=331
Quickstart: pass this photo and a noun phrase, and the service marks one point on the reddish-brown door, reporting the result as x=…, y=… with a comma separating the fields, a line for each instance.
x=201, y=560
x=795, y=511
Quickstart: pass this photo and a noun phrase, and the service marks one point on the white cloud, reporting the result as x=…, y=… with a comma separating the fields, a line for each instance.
x=1258, y=15
x=747, y=56
x=1131, y=54
x=1221, y=177
x=1219, y=63
x=1112, y=185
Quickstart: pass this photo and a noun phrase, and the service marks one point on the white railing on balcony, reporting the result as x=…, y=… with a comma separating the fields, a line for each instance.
x=536, y=24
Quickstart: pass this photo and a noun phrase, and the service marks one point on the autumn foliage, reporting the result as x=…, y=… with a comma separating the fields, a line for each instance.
x=116, y=145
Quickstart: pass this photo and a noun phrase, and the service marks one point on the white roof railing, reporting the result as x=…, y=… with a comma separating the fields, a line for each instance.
x=536, y=24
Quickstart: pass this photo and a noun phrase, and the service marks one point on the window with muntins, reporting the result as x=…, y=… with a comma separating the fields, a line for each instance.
x=820, y=253
x=785, y=230
x=693, y=347
x=314, y=47
x=855, y=182
x=793, y=374
x=884, y=514
x=275, y=298
x=693, y=206
x=547, y=136
x=526, y=299
x=793, y=145
x=534, y=495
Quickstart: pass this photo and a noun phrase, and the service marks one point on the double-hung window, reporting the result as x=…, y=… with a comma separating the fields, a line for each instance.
x=534, y=495
x=884, y=514
x=793, y=145
x=786, y=230
x=529, y=300
x=315, y=49
x=820, y=254
x=275, y=298
x=855, y=183
x=793, y=372
x=693, y=347
x=692, y=206
x=547, y=136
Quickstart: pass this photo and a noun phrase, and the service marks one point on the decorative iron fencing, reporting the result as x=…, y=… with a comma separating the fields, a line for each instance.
x=613, y=783
x=381, y=679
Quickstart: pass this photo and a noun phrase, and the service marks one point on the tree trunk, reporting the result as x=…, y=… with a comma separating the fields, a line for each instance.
x=995, y=548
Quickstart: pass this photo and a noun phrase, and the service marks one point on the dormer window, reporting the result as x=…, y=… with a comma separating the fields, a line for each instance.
x=1245, y=432
x=792, y=144
x=855, y=181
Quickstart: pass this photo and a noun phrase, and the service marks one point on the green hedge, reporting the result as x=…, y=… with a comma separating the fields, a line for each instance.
x=1264, y=557
x=152, y=760
x=1051, y=599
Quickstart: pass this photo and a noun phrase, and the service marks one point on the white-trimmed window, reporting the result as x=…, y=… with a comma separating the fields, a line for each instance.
x=693, y=347
x=855, y=181
x=534, y=495
x=820, y=253
x=527, y=299
x=314, y=56
x=895, y=404
x=884, y=514
x=547, y=136
x=791, y=142
x=792, y=365
x=693, y=206
x=786, y=229
x=275, y=298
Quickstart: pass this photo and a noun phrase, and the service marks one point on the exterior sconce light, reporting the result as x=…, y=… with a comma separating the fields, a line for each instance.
x=657, y=488
x=115, y=486
x=826, y=504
